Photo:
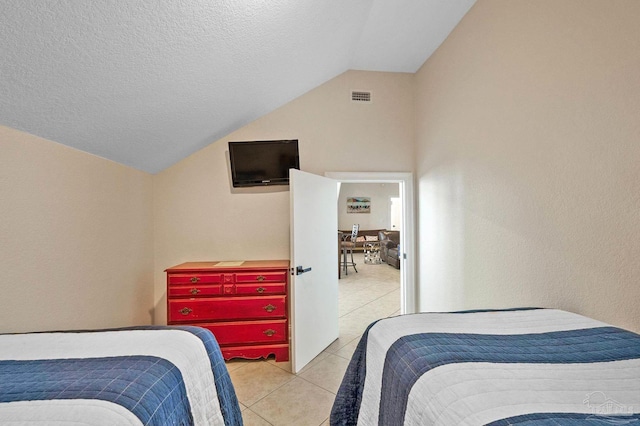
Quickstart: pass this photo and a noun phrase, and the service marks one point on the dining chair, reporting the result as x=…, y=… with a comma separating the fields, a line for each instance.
x=347, y=246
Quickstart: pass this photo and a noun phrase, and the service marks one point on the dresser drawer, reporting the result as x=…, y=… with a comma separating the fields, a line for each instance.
x=249, y=332
x=212, y=309
x=261, y=277
x=194, y=290
x=196, y=278
x=264, y=288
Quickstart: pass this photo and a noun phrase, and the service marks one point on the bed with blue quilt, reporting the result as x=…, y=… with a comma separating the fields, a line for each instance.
x=135, y=376
x=508, y=367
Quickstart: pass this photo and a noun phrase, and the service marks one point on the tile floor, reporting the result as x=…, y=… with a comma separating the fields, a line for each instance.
x=270, y=394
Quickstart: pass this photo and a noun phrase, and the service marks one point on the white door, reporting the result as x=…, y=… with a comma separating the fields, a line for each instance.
x=314, y=250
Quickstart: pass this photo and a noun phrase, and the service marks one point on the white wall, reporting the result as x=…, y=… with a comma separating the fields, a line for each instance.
x=85, y=240
x=77, y=238
x=199, y=216
x=526, y=136
x=529, y=160
x=380, y=194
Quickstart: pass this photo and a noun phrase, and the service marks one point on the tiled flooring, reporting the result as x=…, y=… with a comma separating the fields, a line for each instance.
x=270, y=394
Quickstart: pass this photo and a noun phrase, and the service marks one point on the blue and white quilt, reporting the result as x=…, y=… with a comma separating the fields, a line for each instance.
x=513, y=367
x=135, y=376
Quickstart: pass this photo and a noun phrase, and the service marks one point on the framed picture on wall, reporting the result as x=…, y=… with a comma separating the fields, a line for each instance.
x=358, y=204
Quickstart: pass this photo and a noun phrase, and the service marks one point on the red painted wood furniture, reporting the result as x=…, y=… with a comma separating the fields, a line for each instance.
x=245, y=305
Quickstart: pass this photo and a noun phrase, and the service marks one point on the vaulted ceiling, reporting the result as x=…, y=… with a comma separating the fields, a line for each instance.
x=148, y=82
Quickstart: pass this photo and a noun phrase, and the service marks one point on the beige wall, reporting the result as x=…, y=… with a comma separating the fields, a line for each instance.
x=526, y=134
x=529, y=160
x=199, y=216
x=380, y=215
x=76, y=238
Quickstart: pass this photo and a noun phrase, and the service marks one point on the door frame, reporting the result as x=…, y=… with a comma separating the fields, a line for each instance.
x=407, y=235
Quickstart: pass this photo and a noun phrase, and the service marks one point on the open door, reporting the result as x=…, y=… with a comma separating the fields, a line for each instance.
x=314, y=256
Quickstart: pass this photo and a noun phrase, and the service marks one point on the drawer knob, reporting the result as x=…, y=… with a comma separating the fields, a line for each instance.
x=185, y=311
x=195, y=291
x=260, y=278
x=269, y=308
x=260, y=289
x=195, y=279
x=269, y=332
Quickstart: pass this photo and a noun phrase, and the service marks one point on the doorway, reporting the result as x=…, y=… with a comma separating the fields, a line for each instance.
x=407, y=239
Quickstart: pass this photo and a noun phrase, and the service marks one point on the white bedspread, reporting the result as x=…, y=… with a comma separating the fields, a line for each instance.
x=183, y=349
x=509, y=367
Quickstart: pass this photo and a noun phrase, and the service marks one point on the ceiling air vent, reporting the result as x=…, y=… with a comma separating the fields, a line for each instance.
x=360, y=96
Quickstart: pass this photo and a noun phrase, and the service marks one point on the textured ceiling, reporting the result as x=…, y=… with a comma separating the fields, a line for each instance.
x=148, y=82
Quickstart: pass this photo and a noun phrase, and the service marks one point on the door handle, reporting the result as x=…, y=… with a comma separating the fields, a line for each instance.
x=300, y=270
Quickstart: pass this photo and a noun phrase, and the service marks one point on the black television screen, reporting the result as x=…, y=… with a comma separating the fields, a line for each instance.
x=259, y=163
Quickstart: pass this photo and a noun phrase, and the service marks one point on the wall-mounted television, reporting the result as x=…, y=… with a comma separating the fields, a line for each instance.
x=260, y=163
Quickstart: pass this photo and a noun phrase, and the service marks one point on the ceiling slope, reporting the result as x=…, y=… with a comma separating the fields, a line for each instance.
x=148, y=82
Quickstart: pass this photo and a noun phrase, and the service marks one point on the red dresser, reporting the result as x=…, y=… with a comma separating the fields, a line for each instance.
x=244, y=304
